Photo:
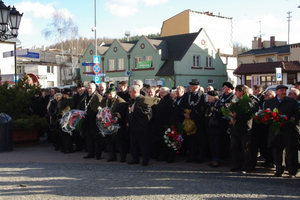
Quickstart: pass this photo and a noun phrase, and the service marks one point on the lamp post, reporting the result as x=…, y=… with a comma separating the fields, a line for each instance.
x=9, y=25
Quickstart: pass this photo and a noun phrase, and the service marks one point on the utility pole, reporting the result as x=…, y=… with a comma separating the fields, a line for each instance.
x=95, y=29
x=289, y=18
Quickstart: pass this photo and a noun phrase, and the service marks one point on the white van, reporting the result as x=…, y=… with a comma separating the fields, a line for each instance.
x=273, y=87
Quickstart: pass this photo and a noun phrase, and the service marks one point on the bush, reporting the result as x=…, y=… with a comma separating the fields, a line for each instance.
x=16, y=100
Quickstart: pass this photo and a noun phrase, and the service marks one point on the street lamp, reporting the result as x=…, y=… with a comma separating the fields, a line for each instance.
x=9, y=25
x=9, y=22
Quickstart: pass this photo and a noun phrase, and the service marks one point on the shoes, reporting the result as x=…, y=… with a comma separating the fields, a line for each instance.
x=88, y=156
x=267, y=165
x=215, y=164
x=98, y=158
x=144, y=164
x=292, y=176
x=199, y=161
x=67, y=151
x=111, y=159
x=170, y=161
x=133, y=162
x=244, y=171
x=235, y=169
x=122, y=160
x=278, y=174
x=190, y=160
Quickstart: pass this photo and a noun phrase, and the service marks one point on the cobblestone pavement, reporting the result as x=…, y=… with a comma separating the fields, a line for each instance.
x=39, y=172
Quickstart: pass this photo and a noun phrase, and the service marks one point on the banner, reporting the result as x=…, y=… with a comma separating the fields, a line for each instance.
x=278, y=74
x=144, y=64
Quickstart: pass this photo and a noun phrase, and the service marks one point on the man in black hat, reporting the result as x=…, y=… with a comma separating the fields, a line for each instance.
x=289, y=133
x=79, y=139
x=225, y=97
x=195, y=101
x=79, y=95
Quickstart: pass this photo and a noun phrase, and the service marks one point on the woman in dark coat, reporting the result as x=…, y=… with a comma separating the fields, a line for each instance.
x=214, y=130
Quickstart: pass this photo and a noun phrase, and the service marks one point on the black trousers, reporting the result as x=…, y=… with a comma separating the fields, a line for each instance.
x=94, y=144
x=291, y=159
x=135, y=149
x=240, y=150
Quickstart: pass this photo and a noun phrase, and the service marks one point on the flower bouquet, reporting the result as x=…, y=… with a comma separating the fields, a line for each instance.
x=107, y=122
x=275, y=118
x=72, y=120
x=173, y=136
x=240, y=106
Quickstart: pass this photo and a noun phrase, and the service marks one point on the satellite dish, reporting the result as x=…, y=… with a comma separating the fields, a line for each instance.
x=127, y=73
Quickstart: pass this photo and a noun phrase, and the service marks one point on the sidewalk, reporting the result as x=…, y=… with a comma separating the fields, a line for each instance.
x=39, y=172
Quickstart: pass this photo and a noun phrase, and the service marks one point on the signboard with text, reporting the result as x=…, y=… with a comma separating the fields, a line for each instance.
x=144, y=64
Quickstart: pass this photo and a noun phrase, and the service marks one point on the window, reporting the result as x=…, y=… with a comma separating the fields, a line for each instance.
x=291, y=78
x=266, y=81
x=120, y=64
x=286, y=58
x=208, y=61
x=136, y=59
x=148, y=57
x=210, y=81
x=50, y=69
x=88, y=68
x=20, y=69
x=196, y=61
x=270, y=59
x=111, y=65
x=50, y=83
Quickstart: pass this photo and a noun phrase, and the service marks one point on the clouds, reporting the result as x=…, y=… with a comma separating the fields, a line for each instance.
x=125, y=8
x=147, y=30
x=36, y=13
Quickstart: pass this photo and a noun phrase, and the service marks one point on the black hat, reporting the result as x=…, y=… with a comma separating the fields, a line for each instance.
x=109, y=90
x=67, y=91
x=79, y=85
x=194, y=82
x=213, y=93
x=228, y=84
x=297, y=83
x=281, y=87
x=146, y=85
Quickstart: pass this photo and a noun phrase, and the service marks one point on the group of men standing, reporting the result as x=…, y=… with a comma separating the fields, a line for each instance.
x=143, y=120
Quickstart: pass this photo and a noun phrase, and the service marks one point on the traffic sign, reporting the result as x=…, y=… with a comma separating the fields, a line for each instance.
x=97, y=79
x=96, y=59
x=96, y=68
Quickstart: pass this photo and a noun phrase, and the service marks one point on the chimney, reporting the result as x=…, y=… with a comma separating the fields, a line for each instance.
x=272, y=41
x=259, y=43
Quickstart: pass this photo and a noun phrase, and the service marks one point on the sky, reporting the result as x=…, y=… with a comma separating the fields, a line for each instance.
x=142, y=17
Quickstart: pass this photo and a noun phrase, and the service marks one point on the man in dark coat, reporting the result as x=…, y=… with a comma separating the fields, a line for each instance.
x=79, y=95
x=195, y=101
x=65, y=104
x=123, y=93
x=119, y=108
x=225, y=97
x=140, y=124
x=288, y=137
x=241, y=125
x=163, y=115
x=79, y=140
x=90, y=104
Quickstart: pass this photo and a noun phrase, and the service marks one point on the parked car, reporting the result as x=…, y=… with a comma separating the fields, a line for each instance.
x=273, y=87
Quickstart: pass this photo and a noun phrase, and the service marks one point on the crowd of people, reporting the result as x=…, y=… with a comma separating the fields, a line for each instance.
x=144, y=112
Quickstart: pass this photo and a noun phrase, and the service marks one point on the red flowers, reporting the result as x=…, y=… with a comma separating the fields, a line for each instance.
x=173, y=136
x=275, y=118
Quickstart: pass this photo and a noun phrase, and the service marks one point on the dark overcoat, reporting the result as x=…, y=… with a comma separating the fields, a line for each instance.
x=290, y=132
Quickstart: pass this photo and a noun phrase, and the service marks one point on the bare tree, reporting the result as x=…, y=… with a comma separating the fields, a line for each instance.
x=60, y=29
